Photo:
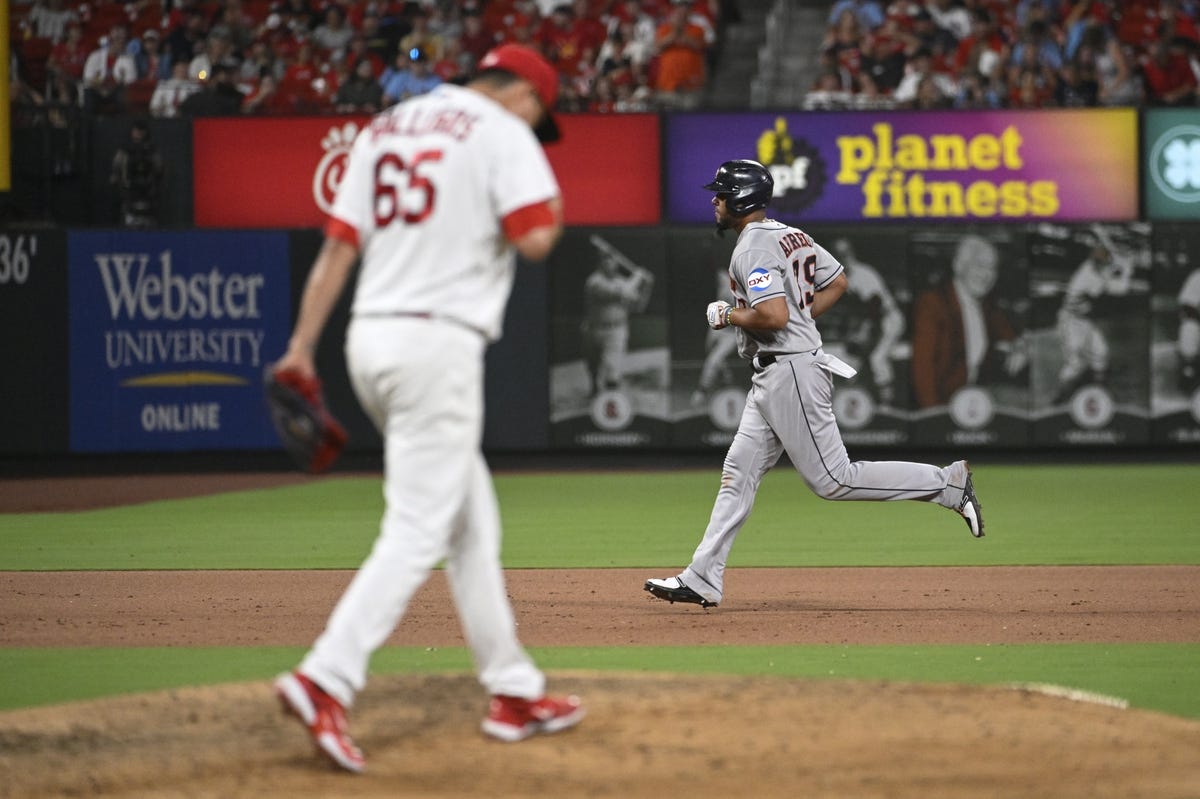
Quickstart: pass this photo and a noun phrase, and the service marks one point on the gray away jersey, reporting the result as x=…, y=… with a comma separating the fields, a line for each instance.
x=771, y=260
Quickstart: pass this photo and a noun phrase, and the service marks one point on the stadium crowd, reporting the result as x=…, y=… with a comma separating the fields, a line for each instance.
x=1008, y=54
x=224, y=57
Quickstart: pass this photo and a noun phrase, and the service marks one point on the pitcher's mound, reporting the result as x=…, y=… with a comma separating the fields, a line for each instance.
x=644, y=736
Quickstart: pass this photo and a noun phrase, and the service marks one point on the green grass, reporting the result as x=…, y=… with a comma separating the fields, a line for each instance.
x=1102, y=514
x=1158, y=677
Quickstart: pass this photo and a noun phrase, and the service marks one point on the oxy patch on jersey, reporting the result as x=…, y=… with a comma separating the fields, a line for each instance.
x=759, y=280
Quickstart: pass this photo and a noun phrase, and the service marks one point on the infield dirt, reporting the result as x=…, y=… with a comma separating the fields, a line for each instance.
x=646, y=735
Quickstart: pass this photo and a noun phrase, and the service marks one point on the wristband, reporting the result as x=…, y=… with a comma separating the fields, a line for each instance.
x=729, y=316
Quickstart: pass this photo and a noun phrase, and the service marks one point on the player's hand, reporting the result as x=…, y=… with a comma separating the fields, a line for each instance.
x=717, y=314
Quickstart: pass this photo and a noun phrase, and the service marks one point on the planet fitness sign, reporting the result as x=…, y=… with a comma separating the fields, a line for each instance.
x=916, y=166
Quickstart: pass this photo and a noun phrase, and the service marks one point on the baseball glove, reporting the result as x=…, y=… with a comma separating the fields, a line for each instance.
x=307, y=429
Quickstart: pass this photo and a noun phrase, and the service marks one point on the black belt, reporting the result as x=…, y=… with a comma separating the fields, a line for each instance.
x=761, y=362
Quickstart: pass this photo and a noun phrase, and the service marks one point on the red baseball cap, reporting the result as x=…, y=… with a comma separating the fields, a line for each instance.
x=529, y=65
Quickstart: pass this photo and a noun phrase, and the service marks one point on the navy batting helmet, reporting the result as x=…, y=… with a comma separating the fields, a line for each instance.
x=745, y=186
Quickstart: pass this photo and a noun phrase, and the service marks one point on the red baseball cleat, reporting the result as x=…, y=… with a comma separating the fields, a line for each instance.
x=323, y=716
x=511, y=718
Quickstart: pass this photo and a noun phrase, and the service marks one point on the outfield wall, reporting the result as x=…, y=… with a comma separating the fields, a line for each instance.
x=154, y=341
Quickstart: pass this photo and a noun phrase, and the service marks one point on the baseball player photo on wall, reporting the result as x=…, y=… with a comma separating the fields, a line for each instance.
x=609, y=360
x=868, y=329
x=708, y=379
x=1175, y=336
x=1090, y=333
x=970, y=353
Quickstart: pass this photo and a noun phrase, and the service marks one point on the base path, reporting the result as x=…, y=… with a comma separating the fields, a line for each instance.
x=646, y=735
x=602, y=607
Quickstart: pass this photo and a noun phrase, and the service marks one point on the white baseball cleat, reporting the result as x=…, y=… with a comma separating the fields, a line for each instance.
x=969, y=508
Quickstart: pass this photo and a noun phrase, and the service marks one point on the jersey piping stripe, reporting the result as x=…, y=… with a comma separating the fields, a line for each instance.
x=530, y=217
x=821, y=455
x=342, y=231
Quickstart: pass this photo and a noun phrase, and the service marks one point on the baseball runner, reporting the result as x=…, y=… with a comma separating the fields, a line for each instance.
x=783, y=281
x=439, y=193
x=1189, y=333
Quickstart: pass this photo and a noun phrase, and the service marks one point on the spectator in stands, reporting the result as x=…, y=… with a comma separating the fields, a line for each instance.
x=107, y=71
x=186, y=40
x=218, y=96
x=950, y=17
x=421, y=37
x=333, y=35
x=476, y=41
x=361, y=94
x=48, y=19
x=358, y=49
x=409, y=77
x=152, y=62
x=380, y=40
x=681, y=68
x=842, y=44
x=298, y=15
x=881, y=65
x=170, y=93
x=920, y=67
x=1077, y=86
x=984, y=50
x=69, y=56
x=1118, y=84
x=564, y=43
x=1032, y=88
x=266, y=98
x=235, y=24
x=867, y=13
x=1037, y=48
x=623, y=48
x=1168, y=74
x=259, y=60
x=829, y=91
x=218, y=49
x=454, y=66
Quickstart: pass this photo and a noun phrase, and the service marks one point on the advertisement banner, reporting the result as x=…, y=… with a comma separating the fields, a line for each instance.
x=169, y=335
x=869, y=329
x=970, y=353
x=285, y=172
x=709, y=380
x=609, y=355
x=1175, y=336
x=1089, y=334
x=33, y=339
x=1171, y=163
x=923, y=166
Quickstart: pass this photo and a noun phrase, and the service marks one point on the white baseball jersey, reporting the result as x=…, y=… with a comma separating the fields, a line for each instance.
x=774, y=260
x=422, y=255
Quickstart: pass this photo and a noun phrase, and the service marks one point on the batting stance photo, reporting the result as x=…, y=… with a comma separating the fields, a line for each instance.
x=439, y=195
x=782, y=281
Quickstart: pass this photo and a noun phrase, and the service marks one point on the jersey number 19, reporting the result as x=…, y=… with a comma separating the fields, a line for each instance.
x=808, y=281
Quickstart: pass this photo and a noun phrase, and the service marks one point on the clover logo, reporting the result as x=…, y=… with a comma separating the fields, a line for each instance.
x=1175, y=163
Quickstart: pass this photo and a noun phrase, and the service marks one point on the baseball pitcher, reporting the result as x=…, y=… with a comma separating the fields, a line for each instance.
x=439, y=194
